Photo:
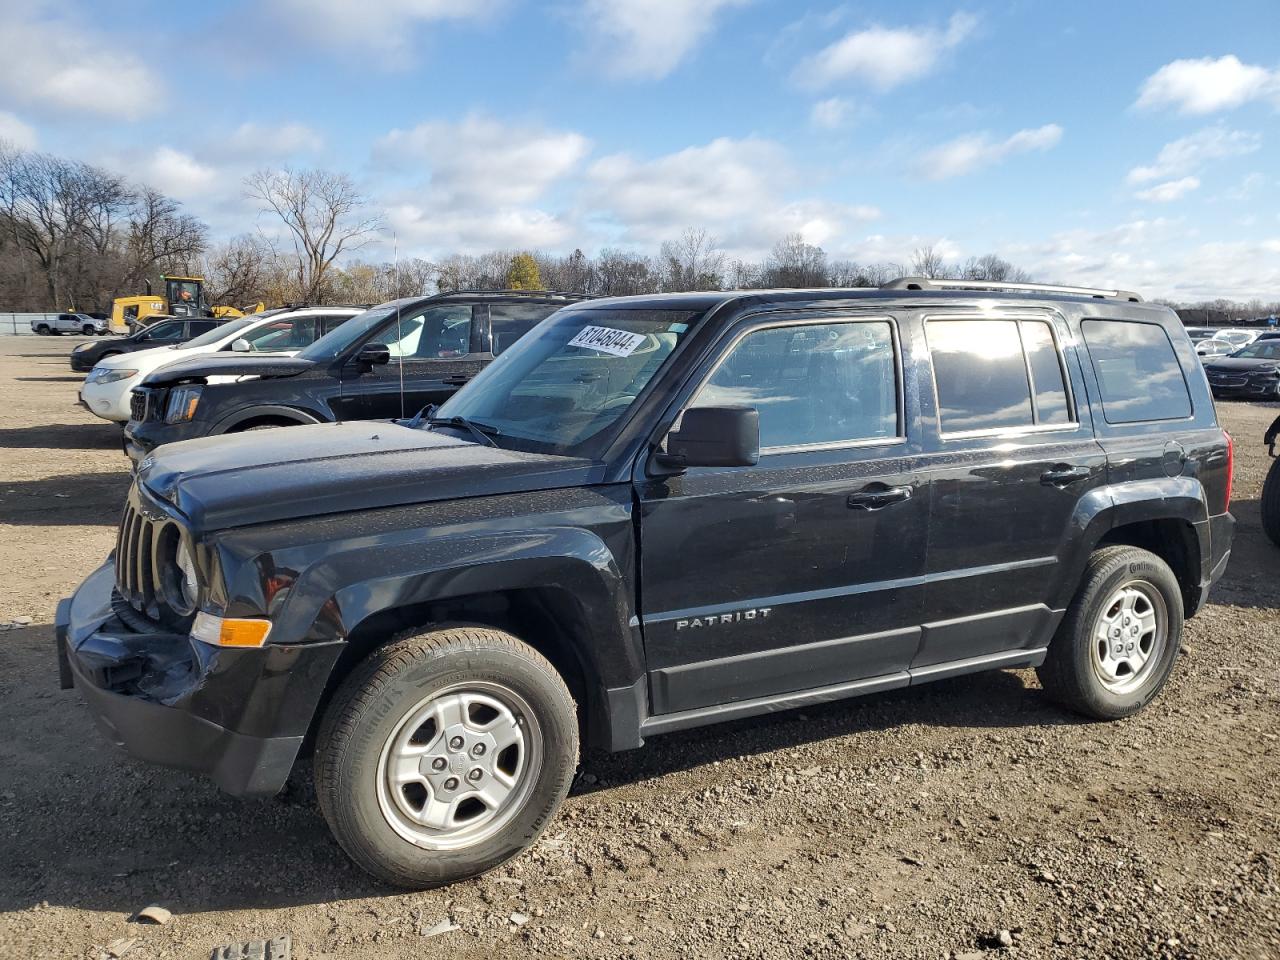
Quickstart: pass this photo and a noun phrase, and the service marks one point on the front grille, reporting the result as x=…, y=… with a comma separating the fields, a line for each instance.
x=145, y=560
x=137, y=406
x=1222, y=380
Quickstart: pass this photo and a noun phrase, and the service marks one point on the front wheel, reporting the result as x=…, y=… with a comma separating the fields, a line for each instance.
x=1119, y=639
x=88, y=330
x=445, y=754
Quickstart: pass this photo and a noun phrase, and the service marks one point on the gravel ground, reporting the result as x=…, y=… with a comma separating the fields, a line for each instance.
x=966, y=818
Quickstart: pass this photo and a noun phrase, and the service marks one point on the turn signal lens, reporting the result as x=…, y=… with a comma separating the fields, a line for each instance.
x=230, y=631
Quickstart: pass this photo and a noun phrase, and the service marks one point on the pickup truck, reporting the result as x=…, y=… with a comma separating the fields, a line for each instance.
x=655, y=513
x=53, y=324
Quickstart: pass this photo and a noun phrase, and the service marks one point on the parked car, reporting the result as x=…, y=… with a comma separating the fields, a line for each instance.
x=107, y=389
x=389, y=362
x=1201, y=333
x=1214, y=347
x=1239, y=338
x=654, y=513
x=1251, y=372
x=163, y=333
x=53, y=324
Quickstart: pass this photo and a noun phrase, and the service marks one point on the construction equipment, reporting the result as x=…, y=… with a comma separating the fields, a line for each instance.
x=183, y=297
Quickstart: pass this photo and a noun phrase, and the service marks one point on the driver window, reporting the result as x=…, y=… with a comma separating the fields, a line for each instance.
x=812, y=384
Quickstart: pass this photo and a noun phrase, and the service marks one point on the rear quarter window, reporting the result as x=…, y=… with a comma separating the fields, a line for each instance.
x=1138, y=371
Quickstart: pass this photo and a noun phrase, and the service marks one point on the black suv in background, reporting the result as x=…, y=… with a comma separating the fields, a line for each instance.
x=654, y=513
x=162, y=333
x=390, y=361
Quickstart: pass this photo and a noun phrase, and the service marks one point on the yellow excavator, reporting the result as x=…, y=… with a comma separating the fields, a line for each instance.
x=183, y=297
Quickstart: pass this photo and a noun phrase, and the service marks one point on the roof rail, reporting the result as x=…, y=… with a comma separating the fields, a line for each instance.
x=927, y=283
x=567, y=294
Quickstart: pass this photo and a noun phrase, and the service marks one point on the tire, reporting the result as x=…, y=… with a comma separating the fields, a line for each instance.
x=1271, y=503
x=43, y=330
x=383, y=710
x=88, y=330
x=1077, y=674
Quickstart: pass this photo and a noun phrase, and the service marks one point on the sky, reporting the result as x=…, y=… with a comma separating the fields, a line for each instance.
x=1128, y=144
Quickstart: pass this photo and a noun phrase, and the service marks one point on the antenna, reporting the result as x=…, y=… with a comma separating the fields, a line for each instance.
x=395, y=272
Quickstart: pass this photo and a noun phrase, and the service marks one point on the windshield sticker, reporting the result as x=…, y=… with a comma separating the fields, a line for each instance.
x=608, y=340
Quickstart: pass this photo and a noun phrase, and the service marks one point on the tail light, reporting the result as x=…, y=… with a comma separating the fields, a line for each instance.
x=1231, y=468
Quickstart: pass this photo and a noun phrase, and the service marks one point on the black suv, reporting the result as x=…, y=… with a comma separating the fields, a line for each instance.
x=653, y=513
x=392, y=361
x=164, y=332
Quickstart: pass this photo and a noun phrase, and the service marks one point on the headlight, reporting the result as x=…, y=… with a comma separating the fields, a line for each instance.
x=182, y=403
x=107, y=375
x=179, y=578
x=190, y=583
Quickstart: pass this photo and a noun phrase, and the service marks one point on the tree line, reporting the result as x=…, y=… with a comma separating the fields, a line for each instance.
x=75, y=236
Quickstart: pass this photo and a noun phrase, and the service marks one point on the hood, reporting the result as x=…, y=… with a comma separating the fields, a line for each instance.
x=227, y=365
x=330, y=468
x=1240, y=364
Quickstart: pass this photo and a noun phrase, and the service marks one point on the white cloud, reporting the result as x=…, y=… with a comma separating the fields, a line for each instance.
x=49, y=61
x=16, y=132
x=1188, y=154
x=267, y=141
x=1158, y=257
x=737, y=189
x=483, y=161
x=1170, y=190
x=969, y=153
x=379, y=24
x=487, y=184
x=884, y=57
x=647, y=39
x=830, y=114
x=179, y=174
x=1208, y=85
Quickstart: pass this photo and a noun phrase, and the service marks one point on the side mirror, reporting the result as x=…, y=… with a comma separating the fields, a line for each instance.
x=240, y=345
x=374, y=354
x=714, y=437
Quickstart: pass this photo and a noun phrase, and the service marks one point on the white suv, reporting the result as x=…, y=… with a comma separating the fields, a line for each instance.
x=106, y=389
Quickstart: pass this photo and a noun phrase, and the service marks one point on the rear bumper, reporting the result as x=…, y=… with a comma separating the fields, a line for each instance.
x=236, y=716
x=1221, y=530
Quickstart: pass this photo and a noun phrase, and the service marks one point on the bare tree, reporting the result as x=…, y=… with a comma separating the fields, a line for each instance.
x=325, y=215
x=236, y=272
x=621, y=274
x=928, y=262
x=992, y=267
x=795, y=263
x=693, y=261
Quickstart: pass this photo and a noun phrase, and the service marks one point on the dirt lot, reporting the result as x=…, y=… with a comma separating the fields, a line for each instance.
x=924, y=823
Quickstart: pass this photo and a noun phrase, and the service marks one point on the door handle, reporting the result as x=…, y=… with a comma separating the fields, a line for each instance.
x=877, y=496
x=1062, y=476
x=457, y=381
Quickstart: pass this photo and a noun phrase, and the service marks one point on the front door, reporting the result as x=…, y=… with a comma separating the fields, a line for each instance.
x=1010, y=454
x=432, y=355
x=804, y=571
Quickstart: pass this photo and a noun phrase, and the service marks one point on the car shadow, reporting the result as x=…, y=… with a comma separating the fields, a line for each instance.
x=141, y=829
x=64, y=436
x=76, y=500
x=75, y=378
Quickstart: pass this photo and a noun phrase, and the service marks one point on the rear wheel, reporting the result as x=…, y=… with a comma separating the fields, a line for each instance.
x=1271, y=503
x=43, y=330
x=445, y=754
x=1120, y=637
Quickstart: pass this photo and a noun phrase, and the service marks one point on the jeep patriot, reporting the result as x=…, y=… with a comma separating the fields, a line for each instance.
x=653, y=513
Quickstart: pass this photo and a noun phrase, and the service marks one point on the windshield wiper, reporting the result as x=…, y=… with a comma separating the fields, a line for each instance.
x=481, y=431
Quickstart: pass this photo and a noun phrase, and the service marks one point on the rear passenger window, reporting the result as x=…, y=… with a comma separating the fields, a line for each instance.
x=818, y=384
x=1138, y=372
x=511, y=321
x=997, y=374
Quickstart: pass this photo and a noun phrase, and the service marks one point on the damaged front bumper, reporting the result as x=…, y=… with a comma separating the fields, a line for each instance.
x=238, y=716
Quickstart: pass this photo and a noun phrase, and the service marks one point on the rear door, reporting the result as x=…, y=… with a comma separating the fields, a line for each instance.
x=804, y=571
x=1011, y=453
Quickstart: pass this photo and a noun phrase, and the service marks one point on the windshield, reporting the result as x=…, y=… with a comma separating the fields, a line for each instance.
x=336, y=342
x=563, y=386
x=221, y=332
x=1260, y=350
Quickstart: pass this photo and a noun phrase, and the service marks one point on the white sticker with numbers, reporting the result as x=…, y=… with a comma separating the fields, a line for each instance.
x=608, y=340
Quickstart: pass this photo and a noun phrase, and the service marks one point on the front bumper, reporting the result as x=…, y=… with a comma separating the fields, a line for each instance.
x=1251, y=386
x=110, y=401
x=141, y=437
x=236, y=716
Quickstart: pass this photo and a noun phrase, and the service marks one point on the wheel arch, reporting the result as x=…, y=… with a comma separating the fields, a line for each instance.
x=271, y=414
